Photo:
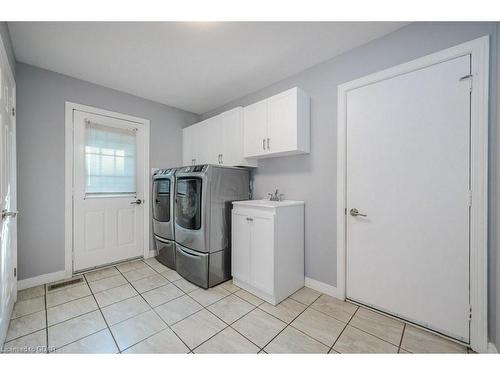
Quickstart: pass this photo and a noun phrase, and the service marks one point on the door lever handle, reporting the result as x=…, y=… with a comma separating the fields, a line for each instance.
x=355, y=212
x=6, y=213
x=138, y=201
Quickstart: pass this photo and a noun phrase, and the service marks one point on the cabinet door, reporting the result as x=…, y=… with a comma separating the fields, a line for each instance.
x=201, y=146
x=232, y=137
x=240, y=247
x=187, y=146
x=255, y=129
x=262, y=253
x=282, y=122
x=212, y=140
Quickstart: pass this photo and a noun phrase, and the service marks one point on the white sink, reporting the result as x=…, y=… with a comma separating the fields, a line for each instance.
x=268, y=203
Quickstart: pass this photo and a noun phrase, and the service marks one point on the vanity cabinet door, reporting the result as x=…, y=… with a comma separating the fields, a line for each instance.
x=262, y=253
x=240, y=247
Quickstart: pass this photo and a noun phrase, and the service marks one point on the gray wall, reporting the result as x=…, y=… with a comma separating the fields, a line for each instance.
x=41, y=97
x=7, y=42
x=313, y=177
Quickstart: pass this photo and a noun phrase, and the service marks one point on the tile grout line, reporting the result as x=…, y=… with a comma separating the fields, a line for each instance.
x=205, y=308
x=103, y=317
x=227, y=325
x=46, y=319
x=401, y=340
x=340, y=334
x=153, y=309
x=90, y=334
x=289, y=324
x=373, y=335
x=254, y=307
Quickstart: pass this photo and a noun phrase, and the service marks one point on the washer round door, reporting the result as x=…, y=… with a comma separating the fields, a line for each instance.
x=163, y=196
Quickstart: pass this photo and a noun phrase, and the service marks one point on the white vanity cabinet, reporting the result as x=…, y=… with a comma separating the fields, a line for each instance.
x=267, y=255
x=216, y=140
x=278, y=126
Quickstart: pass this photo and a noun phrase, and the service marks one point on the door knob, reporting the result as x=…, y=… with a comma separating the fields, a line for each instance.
x=138, y=201
x=355, y=212
x=6, y=213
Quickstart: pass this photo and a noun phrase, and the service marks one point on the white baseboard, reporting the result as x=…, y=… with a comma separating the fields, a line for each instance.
x=492, y=348
x=152, y=253
x=322, y=287
x=41, y=279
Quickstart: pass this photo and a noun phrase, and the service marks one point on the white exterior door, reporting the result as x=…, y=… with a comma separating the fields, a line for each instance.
x=408, y=155
x=108, y=196
x=8, y=202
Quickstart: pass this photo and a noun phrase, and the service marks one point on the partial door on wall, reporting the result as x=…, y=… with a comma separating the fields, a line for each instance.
x=108, y=196
x=408, y=196
x=8, y=199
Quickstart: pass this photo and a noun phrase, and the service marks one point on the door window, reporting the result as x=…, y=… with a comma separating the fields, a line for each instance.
x=188, y=203
x=109, y=159
x=161, y=202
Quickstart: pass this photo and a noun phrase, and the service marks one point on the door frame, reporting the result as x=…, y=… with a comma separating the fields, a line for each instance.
x=69, y=170
x=479, y=51
x=10, y=73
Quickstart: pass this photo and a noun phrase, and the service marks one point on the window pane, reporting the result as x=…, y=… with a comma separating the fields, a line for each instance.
x=109, y=160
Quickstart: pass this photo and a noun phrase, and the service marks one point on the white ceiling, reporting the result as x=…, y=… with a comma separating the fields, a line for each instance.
x=193, y=66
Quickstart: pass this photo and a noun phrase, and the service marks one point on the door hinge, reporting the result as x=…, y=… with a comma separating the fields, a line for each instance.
x=345, y=211
x=470, y=312
x=469, y=199
x=15, y=271
x=13, y=112
x=469, y=78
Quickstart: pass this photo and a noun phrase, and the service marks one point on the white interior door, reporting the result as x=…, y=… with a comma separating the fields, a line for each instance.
x=8, y=201
x=109, y=211
x=408, y=153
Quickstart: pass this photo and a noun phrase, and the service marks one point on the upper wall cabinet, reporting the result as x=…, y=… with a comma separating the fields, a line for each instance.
x=217, y=140
x=278, y=126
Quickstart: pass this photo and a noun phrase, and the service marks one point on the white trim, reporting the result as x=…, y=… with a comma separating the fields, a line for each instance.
x=41, y=279
x=68, y=243
x=2, y=46
x=479, y=50
x=322, y=287
x=492, y=348
x=152, y=253
x=9, y=73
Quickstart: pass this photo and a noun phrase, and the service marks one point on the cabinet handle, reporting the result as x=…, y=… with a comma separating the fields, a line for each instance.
x=249, y=219
x=263, y=143
x=268, y=143
x=221, y=160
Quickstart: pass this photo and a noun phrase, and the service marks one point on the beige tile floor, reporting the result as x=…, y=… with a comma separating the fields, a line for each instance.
x=144, y=307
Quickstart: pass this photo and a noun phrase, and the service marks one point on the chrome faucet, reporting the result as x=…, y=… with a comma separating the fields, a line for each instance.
x=276, y=196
